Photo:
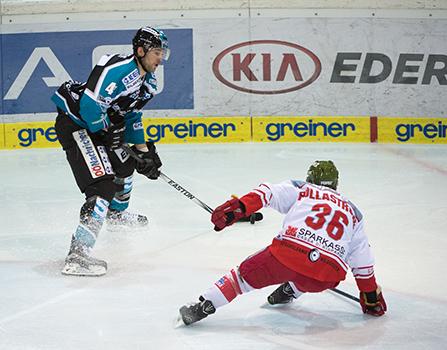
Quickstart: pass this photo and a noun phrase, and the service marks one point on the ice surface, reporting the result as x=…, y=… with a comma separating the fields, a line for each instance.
x=401, y=189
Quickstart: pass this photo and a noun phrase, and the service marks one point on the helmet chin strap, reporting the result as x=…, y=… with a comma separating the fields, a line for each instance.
x=140, y=60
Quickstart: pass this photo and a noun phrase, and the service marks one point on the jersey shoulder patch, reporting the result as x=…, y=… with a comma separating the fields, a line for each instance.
x=298, y=183
x=357, y=212
x=108, y=60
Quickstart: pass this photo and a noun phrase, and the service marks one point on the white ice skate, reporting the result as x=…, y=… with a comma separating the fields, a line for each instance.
x=83, y=265
x=124, y=218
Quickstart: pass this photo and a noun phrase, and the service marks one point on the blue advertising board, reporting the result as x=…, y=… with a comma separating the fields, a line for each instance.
x=33, y=65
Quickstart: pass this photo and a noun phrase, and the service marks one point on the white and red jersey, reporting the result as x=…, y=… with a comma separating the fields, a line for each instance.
x=322, y=236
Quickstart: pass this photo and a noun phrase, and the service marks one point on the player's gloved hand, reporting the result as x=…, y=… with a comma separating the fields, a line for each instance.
x=115, y=115
x=227, y=214
x=114, y=137
x=373, y=303
x=152, y=163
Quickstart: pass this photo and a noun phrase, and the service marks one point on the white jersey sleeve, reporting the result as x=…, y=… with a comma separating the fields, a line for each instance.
x=280, y=197
x=360, y=257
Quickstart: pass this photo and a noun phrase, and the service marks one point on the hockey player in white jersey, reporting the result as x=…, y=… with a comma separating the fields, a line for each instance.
x=321, y=238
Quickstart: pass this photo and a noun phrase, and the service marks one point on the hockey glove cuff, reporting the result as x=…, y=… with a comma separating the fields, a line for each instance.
x=373, y=303
x=114, y=137
x=152, y=163
x=227, y=214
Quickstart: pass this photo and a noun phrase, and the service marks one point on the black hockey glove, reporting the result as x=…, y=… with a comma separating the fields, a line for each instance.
x=114, y=137
x=152, y=163
x=115, y=114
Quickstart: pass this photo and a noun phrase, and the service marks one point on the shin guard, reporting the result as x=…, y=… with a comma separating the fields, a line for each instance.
x=227, y=288
x=120, y=201
x=92, y=216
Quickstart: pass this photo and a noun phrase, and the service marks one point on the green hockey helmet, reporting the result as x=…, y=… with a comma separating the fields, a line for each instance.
x=324, y=173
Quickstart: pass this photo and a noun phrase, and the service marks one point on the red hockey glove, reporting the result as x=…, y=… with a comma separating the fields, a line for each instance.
x=373, y=303
x=227, y=214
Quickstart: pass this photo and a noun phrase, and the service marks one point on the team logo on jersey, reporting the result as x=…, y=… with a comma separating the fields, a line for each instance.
x=131, y=79
x=138, y=126
x=314, y=255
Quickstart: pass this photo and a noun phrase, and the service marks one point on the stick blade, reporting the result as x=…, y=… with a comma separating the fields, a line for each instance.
x=178, y=322
x=252, y=218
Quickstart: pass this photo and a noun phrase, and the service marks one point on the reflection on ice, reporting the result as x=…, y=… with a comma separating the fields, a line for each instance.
x=152, y=272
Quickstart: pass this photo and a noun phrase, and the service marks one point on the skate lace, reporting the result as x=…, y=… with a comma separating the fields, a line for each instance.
x=123, y=216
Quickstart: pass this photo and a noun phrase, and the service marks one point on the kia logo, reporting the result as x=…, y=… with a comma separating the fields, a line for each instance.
x=266, y=67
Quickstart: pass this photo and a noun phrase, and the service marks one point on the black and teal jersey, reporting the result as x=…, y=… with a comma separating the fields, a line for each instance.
x=114, y=84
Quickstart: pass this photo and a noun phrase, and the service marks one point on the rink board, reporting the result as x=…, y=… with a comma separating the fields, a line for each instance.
x=198, y=130
x=256, y=129
x=412, y=130
x=311, y=129
x=163, y=130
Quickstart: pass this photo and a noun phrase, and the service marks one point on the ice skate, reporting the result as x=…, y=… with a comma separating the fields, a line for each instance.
x=195, y=312
x=284, y=294
x=124, y=218
x=77, y=264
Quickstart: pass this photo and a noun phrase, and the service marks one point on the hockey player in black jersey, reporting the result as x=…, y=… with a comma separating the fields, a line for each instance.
x=94, y=120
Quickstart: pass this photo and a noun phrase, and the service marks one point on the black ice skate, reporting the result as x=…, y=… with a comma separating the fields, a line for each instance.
x=284, y=294
x=79, y=264
x=125, y=218
x=197, y=311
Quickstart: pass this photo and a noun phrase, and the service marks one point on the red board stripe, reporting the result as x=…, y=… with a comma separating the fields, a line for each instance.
x=373, y=128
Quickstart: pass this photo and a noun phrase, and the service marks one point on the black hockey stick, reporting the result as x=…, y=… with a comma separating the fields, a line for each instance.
x=252, y=218
x=346, y=295
x=186, y=193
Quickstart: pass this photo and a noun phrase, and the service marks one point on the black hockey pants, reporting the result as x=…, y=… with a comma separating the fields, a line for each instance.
x=93, y=165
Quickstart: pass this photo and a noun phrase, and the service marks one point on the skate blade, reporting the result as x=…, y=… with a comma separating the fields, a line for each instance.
x=125, y=228
x=267, y=305
x=79, y=271
x=178, y=322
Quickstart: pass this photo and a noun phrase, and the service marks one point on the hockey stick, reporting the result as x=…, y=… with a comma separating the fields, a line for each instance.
x=346, y=295
x=252, y=218
x=186, y=193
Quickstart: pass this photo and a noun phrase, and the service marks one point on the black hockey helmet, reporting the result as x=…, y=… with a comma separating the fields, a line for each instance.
x=149, y=38
x=324, y=173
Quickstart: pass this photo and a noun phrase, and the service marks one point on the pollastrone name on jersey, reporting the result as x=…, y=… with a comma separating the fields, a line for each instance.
x=313, y=193
x=310, y=128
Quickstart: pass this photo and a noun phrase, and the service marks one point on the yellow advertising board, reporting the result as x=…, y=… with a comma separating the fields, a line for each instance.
x=198, y=130
x=163, y=130
x=311, y=129
x=412, y=130
x=259, y=129
x=2, y=135
x=30, y=135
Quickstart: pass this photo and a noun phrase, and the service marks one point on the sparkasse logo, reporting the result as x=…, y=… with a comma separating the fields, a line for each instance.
x=266, y=67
